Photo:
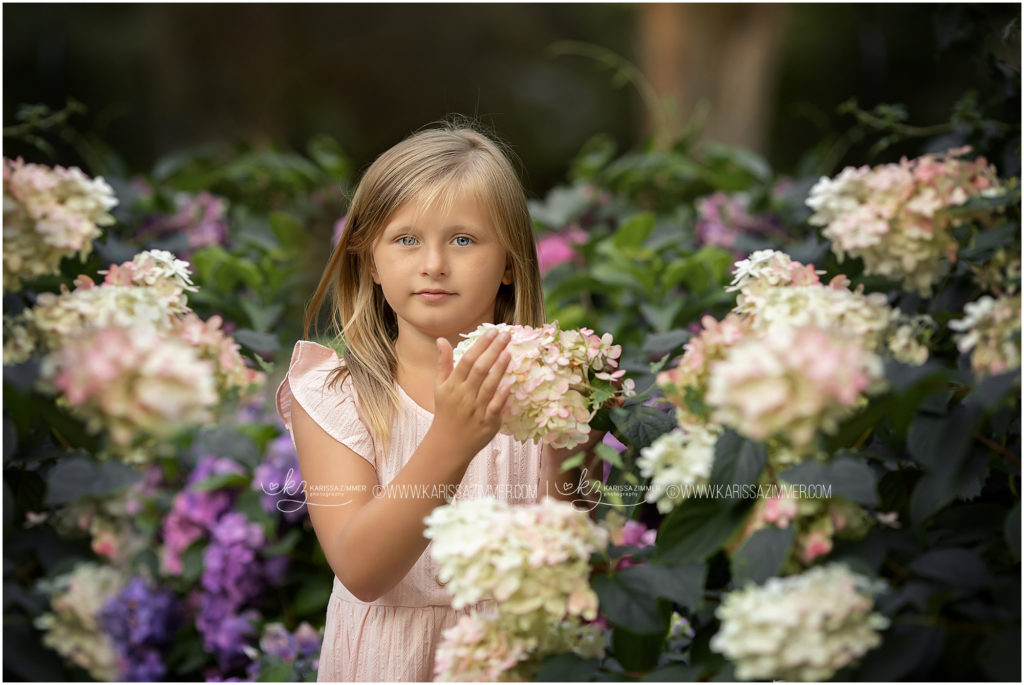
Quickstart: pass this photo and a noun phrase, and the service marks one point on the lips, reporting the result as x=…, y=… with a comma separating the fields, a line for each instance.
x=434, y=295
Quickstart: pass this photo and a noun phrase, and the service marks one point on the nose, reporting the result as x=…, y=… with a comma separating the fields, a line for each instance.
x=435, y=262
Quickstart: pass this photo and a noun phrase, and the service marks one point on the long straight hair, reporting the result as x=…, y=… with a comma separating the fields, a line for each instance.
x=436, y=164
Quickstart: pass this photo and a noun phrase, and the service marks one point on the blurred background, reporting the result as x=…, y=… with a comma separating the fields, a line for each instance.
x=768, y=77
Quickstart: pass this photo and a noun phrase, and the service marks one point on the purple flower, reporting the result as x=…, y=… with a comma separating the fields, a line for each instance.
x=278, y=641
x=141, y=621
x=232, y=566
x=279, y=480
x=201, y=218
x=225, y=631
x=193, y=513
x=307, y=639
x=722, y=218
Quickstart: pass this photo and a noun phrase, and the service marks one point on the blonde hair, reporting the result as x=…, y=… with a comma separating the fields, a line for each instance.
x=436, y=164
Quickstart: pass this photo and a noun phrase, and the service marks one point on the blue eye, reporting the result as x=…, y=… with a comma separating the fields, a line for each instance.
x=404, y=238
x=463, y=241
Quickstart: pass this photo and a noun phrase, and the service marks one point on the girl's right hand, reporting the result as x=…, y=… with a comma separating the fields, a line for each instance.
x=469, y=399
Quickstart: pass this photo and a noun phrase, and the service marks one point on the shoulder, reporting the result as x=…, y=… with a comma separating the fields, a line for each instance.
x=308, y=380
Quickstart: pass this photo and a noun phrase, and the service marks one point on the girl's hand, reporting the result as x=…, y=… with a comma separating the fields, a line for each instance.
x=469, y=398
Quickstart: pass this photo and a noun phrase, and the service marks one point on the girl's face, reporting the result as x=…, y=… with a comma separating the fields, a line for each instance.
x=440, y=270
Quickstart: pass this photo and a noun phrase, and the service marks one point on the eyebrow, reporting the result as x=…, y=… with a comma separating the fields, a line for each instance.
x=453, y=227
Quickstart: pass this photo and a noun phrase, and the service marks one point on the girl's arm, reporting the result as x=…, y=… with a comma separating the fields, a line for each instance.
x=373, y=536
x=572, y=485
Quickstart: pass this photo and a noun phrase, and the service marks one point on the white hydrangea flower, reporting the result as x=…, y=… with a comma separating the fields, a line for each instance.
x=791, y=383
x=804, y=627
x=49, y=214
x=130, y=382
x=892, y=216
x=676, y=462
x=990, y=331
x=71, y=627
x=533, y=563
x=554, y=376
x=529, y=558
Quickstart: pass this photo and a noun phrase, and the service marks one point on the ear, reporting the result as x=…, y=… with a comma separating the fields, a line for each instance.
x=506, y=277
x=373, y=272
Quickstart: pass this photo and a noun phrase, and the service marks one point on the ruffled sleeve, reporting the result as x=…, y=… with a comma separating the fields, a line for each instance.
x=336, y=411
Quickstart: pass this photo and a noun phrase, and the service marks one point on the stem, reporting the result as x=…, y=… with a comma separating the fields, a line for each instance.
x=997, y=448
x=862, y=439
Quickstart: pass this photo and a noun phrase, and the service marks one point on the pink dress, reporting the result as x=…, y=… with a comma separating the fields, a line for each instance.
x=394, y=638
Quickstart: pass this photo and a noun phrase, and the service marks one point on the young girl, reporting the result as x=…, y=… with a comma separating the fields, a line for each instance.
x=438, y=240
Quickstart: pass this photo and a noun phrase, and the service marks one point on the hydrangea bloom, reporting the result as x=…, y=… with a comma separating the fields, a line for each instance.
x=194, y=513
x=990, y=331
x=803, y=627
x=559, y=379
x=722, y=218
x=776, y=291
x=72, y=626
x=132, y=381
x=676, y=462
x=484, y=647
x=49, y=214
x=791, y=383
x=201, y=218
x=693, y=370
x=141, y=621
x=1000, y=275
x=278, y=478
x=817, y=522
x=477, y=649
x=557, y=248
x=892, y=216
x=533, y=558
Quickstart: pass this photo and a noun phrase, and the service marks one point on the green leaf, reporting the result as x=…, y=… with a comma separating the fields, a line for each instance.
x=641, y=425
x=697, y=528
x=662, y=316
x=192, y=562
x=1011, y=530
x=258, y=342
x=627, y=601
x=286, y=228
x=636, y=652
x=680, y=584
x=849, y=477
x=679, y=673
x=762, y=555
x=633, y=231
x=669, y=340
x=283, y=546
x=78, y=477
x=737, y=460
x=567, y=668
x=955, y=566
x=221, y=480
x=610, y=455
x=312, y=598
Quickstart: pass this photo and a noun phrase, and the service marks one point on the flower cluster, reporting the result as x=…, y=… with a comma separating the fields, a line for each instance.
x=234, y=575
x=895, y=216
x=803, y=627
x=128, y=357
x=299, y=649
x=792, y=383
x=557, y=248
x=559, y=379
x=1000, y=275
x=676, y=462
x=776, y=291
x=533, y=561
x=49, y=214
x=722, y=218
x=194, y=512
x=72, y=626
x=141, y=621
x=278, y=479
x=817, y=523
x=200, y=218
x=990, y=332
x=795, y=356
x=109, y=521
